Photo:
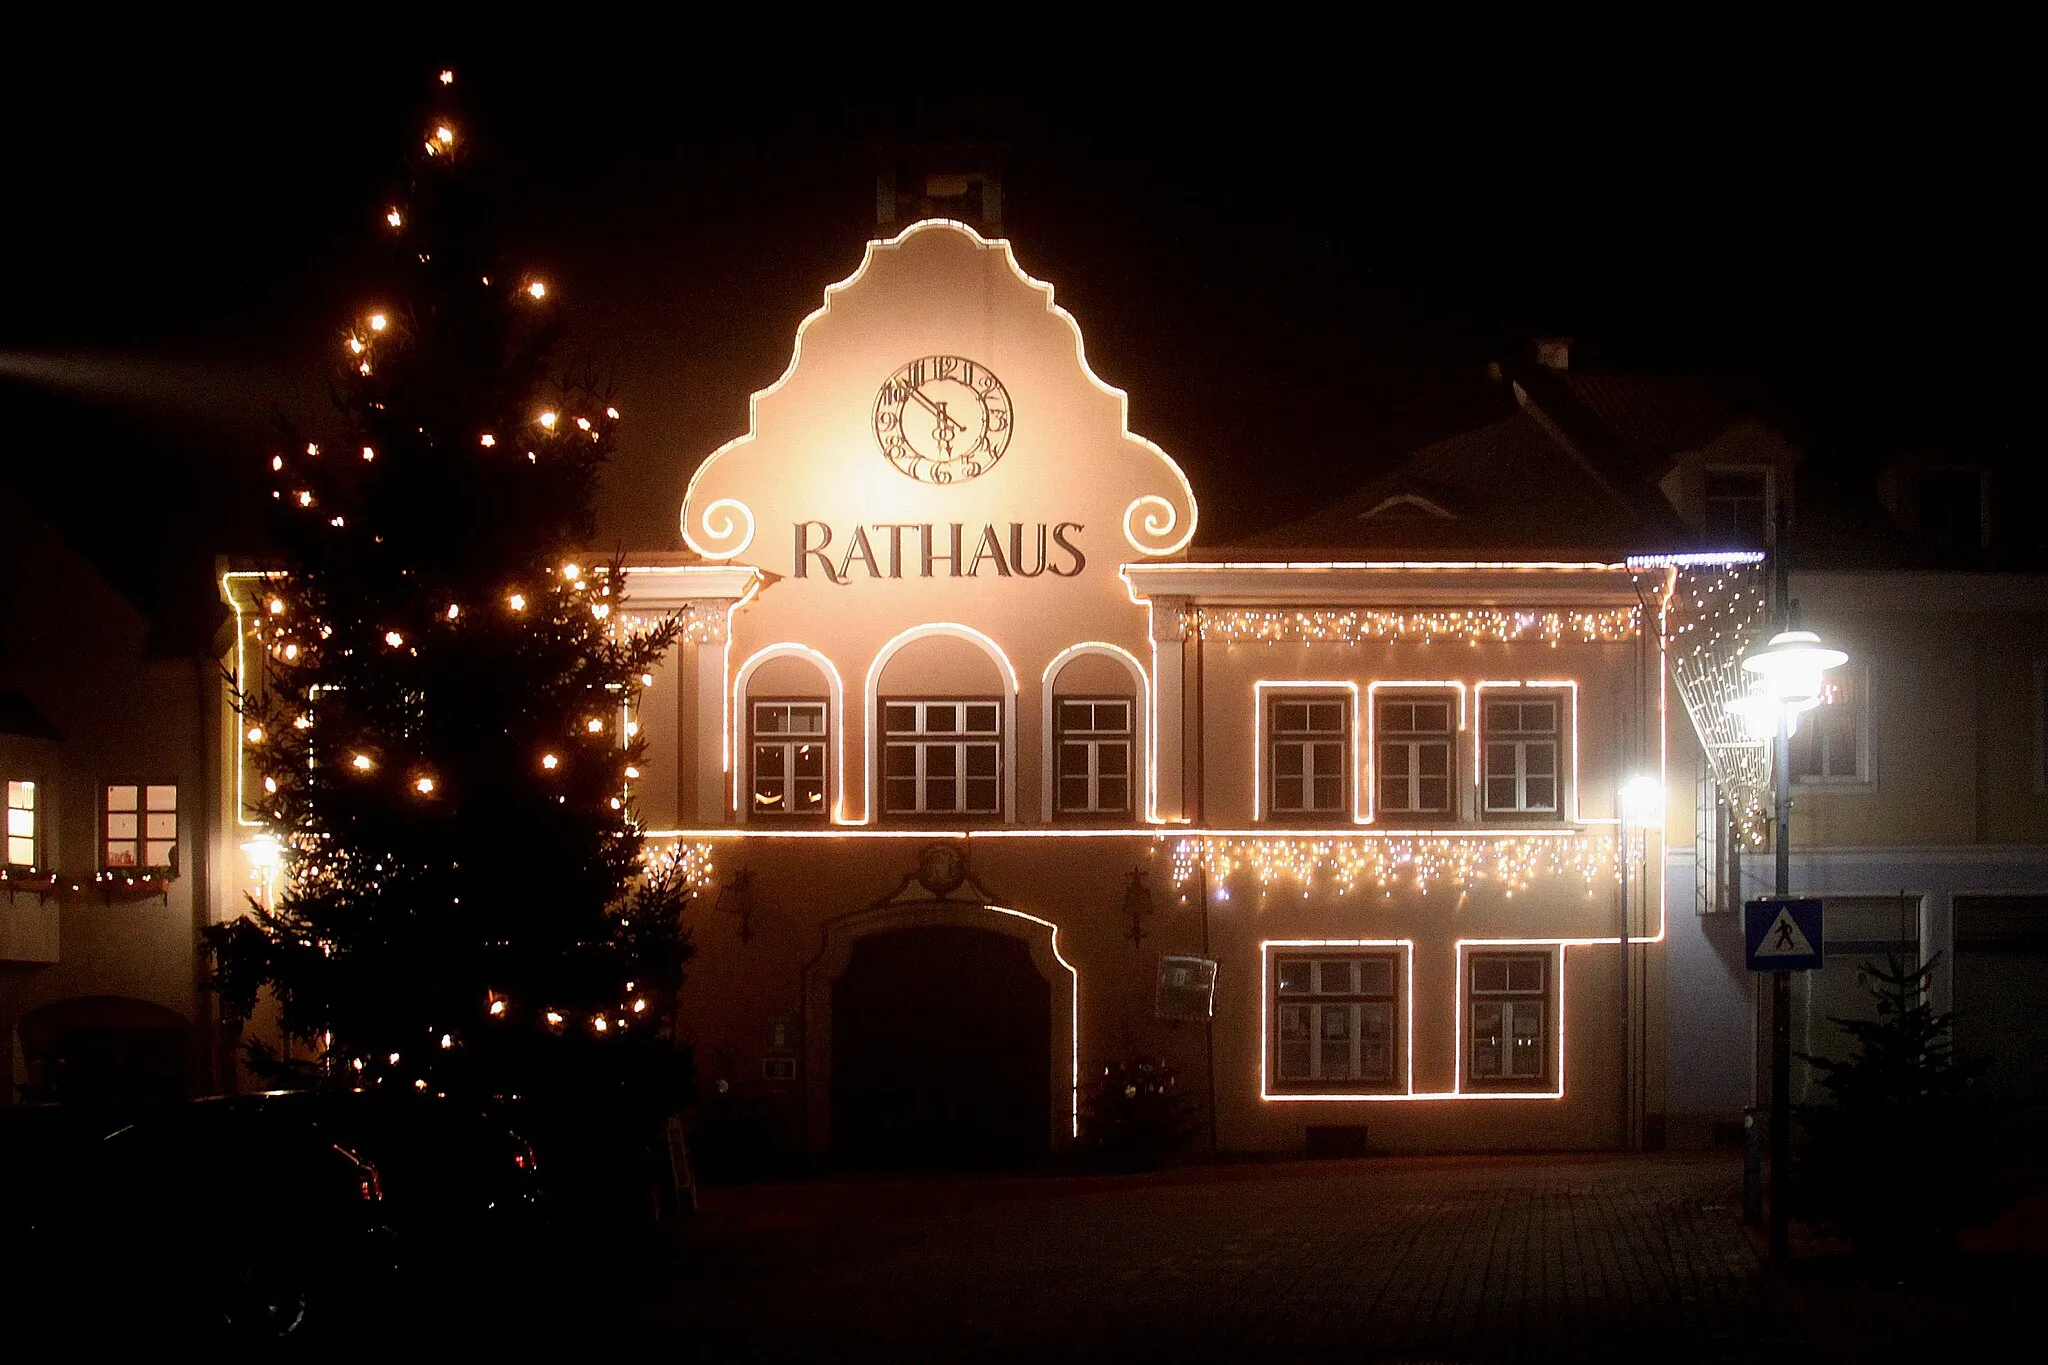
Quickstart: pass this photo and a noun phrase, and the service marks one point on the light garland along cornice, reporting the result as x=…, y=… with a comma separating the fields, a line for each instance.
x=1384, y=862
x=1423, y=625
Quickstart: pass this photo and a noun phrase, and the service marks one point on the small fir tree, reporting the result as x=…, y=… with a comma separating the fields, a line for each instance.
x=1134, y=1117
x=1899, y=1158
x=442, y=724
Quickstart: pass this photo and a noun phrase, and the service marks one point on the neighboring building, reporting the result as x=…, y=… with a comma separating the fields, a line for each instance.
x=106, y=757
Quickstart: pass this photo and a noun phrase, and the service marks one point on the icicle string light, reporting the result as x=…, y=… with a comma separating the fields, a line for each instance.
x=1425, y=625
x=1387, y=861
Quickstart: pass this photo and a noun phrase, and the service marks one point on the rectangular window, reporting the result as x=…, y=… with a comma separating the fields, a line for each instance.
x=1413, y=741
x=1307, y=739
x=942, y=757
x=1334, y=1020
x=1095, y=753
x=1830, y=744
x=1521, y=743
x=21, y=824
x=1736, y=507
x=789, y=758
x=1510, y=1005
x=141, y=827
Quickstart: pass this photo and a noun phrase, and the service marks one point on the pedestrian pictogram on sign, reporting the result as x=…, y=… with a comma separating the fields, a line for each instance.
x=1782, y=936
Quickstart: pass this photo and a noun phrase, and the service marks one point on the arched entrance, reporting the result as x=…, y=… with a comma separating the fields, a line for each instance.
x=940, y=1036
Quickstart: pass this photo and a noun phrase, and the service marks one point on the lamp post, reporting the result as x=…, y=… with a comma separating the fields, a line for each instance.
x=1790, y=672
x=1641, y=802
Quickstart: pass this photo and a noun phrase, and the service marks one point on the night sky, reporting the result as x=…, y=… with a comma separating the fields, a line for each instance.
x=1294, y=287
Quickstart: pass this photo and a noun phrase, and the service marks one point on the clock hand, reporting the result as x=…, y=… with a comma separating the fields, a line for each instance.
x=929, y=405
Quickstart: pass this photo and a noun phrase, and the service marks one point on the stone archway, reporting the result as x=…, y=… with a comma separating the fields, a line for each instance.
x=940, y=1033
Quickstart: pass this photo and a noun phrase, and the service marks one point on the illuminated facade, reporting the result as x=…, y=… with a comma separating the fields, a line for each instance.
x=959, y=707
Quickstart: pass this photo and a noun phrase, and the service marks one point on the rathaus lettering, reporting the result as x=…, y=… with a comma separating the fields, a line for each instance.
x=917, y=549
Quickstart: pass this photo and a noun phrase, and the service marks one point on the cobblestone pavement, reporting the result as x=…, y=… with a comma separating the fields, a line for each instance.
x=1448, y=1259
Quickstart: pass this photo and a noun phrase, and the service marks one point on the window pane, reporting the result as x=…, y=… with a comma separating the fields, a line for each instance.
x=899, y=795
x=981, y=796
x=899, y=760
x=811, y=795
x=122, y=798
x=1433, y=760
x=1113, y=760
x=1290, y=716
x=981, y=720
x=159, y=855
x=1327, y=717
x=121, y=854
x=1500, y=793
x=1076, y=715
x=1329, y=794
x=1074, y=793
x=767, y=761
x=770, y=720
x=1542, y=794
x=941, y=760
x=807, y=720
x=1333, y=978
x=1113, y=716
x=1376, y=976
x=161, y=826
x=1489, y=974
x=121, y=826
x=163, y=798
x=1113, y=794
x=941, y=718
x=1073, y=760
x=1500, y=760
x=21, y=852
x=1434, y=716
x=1433, y=795
x=1539, y=759
x=1394, y=793
x=1486, y=1041
x=1288, y=760
x=1524, y=973
x=899, y=720
x=21, y=823
x=981, y=760
x=810, y=760
x=1287, y=793
x=941, y=794
x=1295, y=977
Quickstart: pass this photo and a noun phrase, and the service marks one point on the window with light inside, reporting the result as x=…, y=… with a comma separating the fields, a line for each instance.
x=21, y=825
x=788, y=743
x=1830, y=742
x=1095, y=752
x=1414, y=741
x=1307, y=739
x=1510, y=1005
x=140, y=821
x=1334, y=1019
x=1521, y=744
x=942, y=758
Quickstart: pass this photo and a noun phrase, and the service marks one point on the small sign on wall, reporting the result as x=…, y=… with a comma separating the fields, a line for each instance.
x=1187, y=988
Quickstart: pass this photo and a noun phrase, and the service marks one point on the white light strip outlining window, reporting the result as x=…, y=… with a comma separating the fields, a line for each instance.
x=1260, y=725
x=1073, y=1014
x=870, y=696
x=1407, y=947
x=1144, y=714
x=1370, y=809
x=1569, y=685
x=837, y=747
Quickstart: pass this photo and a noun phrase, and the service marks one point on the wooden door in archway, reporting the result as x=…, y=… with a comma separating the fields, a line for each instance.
x=941, y=1038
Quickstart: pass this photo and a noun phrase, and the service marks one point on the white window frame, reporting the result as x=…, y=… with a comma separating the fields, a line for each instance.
x=146, y=830
x=1314, y=745
x=1345, y=1002
x=1095, y=741
x=1521, y=744
x=1768, y=473
x=788, y=742
x=923, y=741
x=1853, y=682
x=1514, y=999
x=1412, y=742
x=24, y=823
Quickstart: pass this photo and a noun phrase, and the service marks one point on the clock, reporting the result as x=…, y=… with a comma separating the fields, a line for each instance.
x=943, y=419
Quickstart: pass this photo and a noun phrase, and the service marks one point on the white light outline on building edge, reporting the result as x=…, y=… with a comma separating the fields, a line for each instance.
x=1266, y=946
x=1074, y=1089
x=1048, y=774
x=870, y=723
x=836, y=749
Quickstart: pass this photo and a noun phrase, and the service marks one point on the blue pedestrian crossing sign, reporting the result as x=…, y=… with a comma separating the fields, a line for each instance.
x=1781, y=935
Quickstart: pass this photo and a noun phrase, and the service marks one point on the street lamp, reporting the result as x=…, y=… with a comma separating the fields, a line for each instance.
x=1641, y=807
x=1790, y=673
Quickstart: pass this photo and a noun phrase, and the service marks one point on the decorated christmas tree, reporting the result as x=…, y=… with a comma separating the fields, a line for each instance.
x=440, y=728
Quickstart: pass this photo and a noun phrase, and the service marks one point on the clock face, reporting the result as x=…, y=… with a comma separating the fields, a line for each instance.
x=943, y=419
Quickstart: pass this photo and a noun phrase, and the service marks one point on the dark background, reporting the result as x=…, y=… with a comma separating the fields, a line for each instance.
x=1297, y=271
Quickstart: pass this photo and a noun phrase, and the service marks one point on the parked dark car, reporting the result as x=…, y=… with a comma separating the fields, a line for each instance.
x=209, y=1214
x=459, y=1185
